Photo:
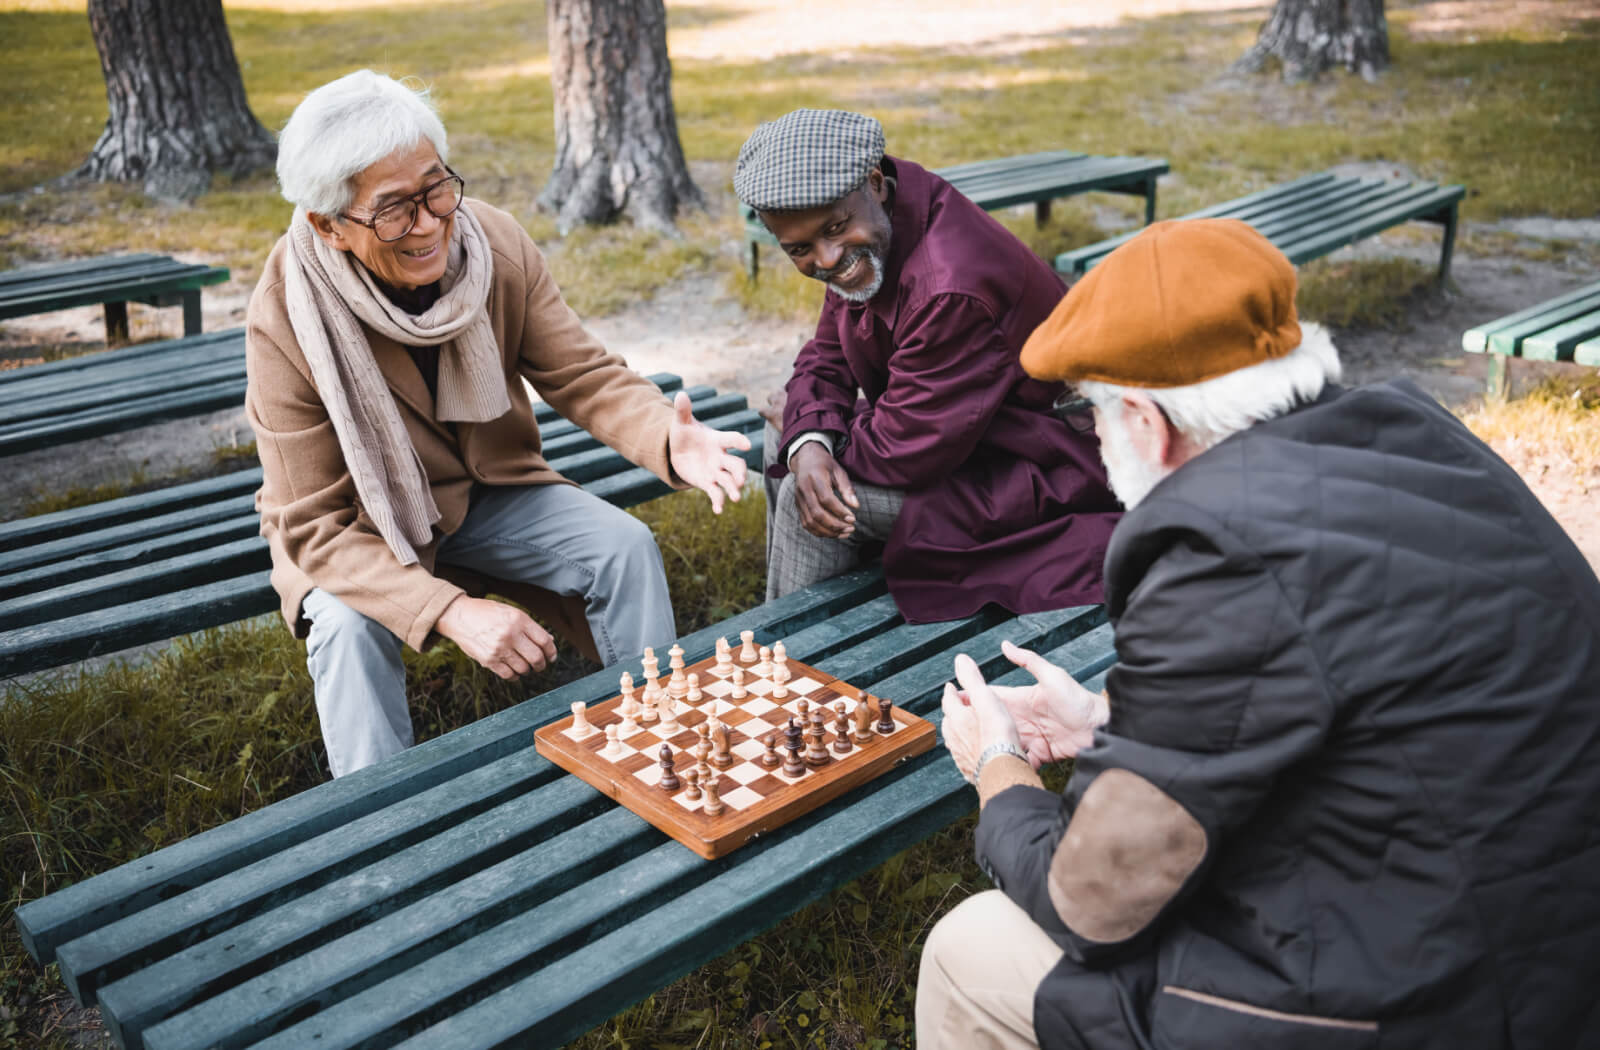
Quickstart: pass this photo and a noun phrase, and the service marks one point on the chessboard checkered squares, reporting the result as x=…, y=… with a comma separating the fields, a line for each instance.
x=741, y=798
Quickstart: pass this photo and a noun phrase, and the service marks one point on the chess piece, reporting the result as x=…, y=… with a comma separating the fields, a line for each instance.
x=841, y=731
x=739, y=692
x=669, y=776
x=677, y=685
x=613, y=748
x=780, y=658
x=668, y=711
x=864, y=719
x=644, y=709
x=763, y=666
x=630, y=714
x=627, y=687
x=692, y=777
x=702, y=750
x=695, y=695
x=747, y=651
x=780, y=688
x=792, y=764
x=817, y=752
x=652, y=667
x=724, y=657
x=580, y=718
x=885, y=723
x=802, y=707
x=713, y=800
x=721, y=755
x=769, y=757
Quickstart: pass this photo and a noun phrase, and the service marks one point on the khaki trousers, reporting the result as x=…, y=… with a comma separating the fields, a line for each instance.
x=980, y=967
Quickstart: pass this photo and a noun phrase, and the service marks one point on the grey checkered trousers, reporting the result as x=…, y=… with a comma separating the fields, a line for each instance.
x=796, y=558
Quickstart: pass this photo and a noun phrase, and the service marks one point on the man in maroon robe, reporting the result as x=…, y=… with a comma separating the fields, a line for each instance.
x=909, y=421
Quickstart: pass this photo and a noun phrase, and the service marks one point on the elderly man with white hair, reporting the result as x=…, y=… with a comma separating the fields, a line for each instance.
x=1343, y=787
x=388, y=341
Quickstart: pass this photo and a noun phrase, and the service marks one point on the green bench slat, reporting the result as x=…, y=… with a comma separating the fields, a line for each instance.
x=146, y=548
x=1477, y=339
x=48, y=922
x=413, y=929
x=1560, y=342
x=56, y=375
x=1512, y=338
x=1315, y=215
x=93, y=398
x=42, y=289
x=78, y=427
x=229, y=505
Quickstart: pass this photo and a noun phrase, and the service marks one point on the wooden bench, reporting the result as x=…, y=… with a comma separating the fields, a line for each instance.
x=1313, y=216
x=83, y=397
x=467, y=893
x=96, y=579
x=112, y=280
x=1033, y=178
x=1566, y=328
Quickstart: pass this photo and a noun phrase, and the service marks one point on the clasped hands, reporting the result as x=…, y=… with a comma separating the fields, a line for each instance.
x=1050, y=720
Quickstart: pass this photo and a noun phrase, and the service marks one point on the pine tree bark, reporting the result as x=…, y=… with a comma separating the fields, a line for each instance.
x=1309, y=36
x=178, y=112
x=617, y=148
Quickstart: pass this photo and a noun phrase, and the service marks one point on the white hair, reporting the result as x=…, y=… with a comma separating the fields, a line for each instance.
x=346, y=126
x=1217, y=408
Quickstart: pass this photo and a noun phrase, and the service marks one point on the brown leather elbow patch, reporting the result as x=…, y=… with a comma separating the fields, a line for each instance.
x=1125, y=854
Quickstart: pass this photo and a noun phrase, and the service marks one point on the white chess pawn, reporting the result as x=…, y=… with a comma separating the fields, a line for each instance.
x=677, y=685
x=652, y=700
x=652, y=667
x=613, y=748
x=630, y=715
x=627, y=688
x=747, y=651
x=724, y=656
x=780, y=686
x=580, y=718
x=764, y=667
x=738, y=684
x=780, y=656
x=695, y=696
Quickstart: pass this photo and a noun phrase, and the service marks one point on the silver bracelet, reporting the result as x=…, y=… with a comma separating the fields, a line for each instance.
x=1004, y=747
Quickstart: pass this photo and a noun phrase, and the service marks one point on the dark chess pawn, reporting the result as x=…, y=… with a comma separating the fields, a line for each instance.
x=885, y=723
x=769, y=757
x=841, y=730
x=669, y=777
x=792, y=764
x=864, y=719
x=692, y=792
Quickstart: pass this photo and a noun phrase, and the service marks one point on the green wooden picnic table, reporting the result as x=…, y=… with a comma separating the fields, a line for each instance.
x=111, y=280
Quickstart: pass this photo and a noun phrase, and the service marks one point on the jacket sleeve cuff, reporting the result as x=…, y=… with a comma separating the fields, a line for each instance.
x=422, y=626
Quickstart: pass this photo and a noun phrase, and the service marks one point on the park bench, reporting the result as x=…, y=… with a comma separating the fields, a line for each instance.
x=111, y=280
x=1315, y=215
x=1033, y=178
x=99, y=578
x=45, y=405
x=467, y=893
x=1566, y=328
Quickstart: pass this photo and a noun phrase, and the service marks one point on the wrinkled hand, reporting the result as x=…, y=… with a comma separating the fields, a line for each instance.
x=974, y=718
x=822, y=489
x=1056, y=717
x=500, y=637
x=699, y=455
x=773, y=413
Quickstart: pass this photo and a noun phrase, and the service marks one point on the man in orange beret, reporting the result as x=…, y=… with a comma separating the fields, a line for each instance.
x=1343, y=787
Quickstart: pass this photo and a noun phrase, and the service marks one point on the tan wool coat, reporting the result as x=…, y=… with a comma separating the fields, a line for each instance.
x=318, y=533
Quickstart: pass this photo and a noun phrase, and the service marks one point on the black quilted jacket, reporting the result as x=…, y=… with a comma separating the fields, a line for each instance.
x=1358, y=651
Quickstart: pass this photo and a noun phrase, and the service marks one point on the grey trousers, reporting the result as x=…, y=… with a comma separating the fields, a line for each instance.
x=796, y=558
x=556, y=536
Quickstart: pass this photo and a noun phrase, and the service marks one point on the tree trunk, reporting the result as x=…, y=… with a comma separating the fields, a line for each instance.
x=617, y=149
x=177, y=105
x=1308, y=36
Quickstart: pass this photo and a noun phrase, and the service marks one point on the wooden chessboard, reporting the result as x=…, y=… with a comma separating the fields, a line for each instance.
x=756, y=798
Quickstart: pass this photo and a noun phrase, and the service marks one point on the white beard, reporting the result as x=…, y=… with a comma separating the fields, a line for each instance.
x=871, y=289
x=1130, y=476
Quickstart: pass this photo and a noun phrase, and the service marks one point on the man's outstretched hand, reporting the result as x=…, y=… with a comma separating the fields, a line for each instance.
x=1056, y=717
x=823, y=493
x=500, y=637
x=699, y=455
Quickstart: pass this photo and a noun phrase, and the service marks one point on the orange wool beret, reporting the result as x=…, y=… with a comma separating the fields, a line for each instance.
x=1183, y=301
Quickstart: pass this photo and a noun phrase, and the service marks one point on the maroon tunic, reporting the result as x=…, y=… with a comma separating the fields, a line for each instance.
x=1004, y=502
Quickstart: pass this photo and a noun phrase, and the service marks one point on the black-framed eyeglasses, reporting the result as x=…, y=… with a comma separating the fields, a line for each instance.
x=1075, y=410
x=394, y=220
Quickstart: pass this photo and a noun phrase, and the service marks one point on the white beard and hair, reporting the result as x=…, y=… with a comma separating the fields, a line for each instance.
x=1211, y=411
x=874, y=260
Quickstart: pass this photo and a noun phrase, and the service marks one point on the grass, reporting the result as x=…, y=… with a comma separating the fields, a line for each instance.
x=1553, y=428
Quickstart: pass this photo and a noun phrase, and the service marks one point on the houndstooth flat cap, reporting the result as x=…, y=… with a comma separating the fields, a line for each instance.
x=806, y=159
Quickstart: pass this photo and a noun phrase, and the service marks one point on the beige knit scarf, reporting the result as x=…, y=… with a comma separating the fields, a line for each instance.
x=330, y=296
